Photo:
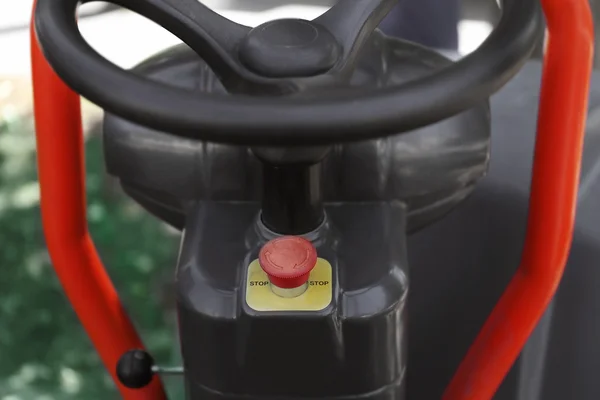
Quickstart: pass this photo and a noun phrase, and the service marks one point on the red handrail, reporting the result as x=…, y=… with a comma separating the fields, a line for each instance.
x=62, y=184
x=557, y=162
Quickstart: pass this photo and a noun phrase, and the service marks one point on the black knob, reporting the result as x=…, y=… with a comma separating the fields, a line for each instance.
x=134, y=369
x=288, y=48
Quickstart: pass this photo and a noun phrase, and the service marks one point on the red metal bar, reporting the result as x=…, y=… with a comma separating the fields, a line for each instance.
x=557, y=162
x=62, y=183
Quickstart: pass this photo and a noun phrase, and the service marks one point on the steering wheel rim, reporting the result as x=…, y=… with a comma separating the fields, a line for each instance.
x=295, y=120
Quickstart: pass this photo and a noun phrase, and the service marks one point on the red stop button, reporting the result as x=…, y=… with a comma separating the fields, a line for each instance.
x=288, y=261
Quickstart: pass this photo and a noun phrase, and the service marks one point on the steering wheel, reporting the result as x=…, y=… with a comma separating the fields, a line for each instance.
x=287, y=80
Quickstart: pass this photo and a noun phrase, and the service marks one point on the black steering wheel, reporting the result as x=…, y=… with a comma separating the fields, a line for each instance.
x=282, y=77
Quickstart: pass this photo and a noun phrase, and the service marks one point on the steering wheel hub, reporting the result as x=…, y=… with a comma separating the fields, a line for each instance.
x=288, y=48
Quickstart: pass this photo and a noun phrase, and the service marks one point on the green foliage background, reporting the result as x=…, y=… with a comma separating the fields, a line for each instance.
x=44, y=352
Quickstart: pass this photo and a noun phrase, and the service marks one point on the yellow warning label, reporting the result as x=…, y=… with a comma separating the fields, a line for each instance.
x=317, y=296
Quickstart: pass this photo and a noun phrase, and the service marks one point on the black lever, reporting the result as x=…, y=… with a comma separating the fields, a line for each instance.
x=135, y=369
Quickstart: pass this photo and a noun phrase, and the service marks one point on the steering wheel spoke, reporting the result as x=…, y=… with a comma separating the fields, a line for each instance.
x=351, y=22
x=213, y=37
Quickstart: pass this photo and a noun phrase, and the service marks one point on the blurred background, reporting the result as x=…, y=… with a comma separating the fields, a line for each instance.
x=44, y=353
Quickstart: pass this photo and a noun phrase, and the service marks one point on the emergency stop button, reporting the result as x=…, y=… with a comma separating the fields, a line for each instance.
x=288, y=261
